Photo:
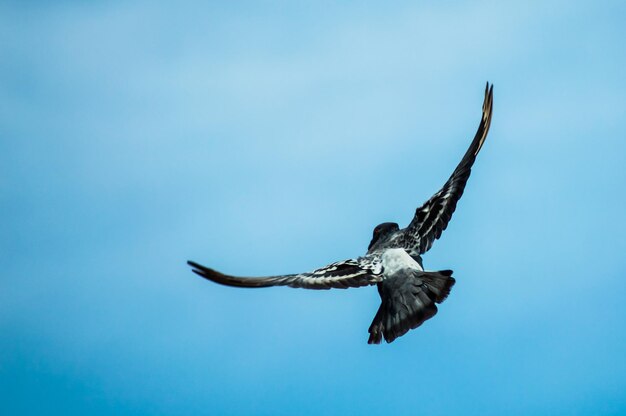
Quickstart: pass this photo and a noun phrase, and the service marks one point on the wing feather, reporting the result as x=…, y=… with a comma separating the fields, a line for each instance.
x=432, y=218
x=363, y=271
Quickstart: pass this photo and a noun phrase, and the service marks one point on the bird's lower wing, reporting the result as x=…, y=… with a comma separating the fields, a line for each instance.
x=432, y=218
x=359, y=272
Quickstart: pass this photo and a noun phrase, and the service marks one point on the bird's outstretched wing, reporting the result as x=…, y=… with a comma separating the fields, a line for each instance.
x=341, y=275
x=432, y=218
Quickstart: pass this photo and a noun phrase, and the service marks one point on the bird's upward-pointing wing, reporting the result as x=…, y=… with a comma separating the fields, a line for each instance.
x=432, y=218
x=363, y=271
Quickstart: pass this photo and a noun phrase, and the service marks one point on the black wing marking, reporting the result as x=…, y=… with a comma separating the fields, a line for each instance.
x=363, y=271
x=432, y=218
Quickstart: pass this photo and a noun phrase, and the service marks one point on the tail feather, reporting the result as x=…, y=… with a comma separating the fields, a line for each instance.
x=408, y=300
x=440, y=283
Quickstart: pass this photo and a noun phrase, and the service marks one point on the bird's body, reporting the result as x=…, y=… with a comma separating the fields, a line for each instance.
x=396, y=259
x=393, y=262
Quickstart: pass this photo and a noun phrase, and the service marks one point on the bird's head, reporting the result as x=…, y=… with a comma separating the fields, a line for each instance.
x=382, y=232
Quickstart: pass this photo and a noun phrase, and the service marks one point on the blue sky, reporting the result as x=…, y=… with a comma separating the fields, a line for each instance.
x=271, y=137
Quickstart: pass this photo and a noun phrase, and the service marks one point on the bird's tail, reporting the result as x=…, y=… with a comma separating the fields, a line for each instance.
x=408, y=300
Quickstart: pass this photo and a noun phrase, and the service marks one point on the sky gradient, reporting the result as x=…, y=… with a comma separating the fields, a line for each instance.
x=271, y=137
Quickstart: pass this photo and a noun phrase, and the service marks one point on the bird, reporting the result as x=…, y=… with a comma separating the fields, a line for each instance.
x=393, y=261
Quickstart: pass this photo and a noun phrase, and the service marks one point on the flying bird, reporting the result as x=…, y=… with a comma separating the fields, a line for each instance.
x=409, y=294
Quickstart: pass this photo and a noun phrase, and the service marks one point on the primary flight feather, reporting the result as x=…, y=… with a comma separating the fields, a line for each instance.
x=393, y=262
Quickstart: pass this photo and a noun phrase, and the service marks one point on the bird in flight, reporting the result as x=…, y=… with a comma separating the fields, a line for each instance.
x=393, y=261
